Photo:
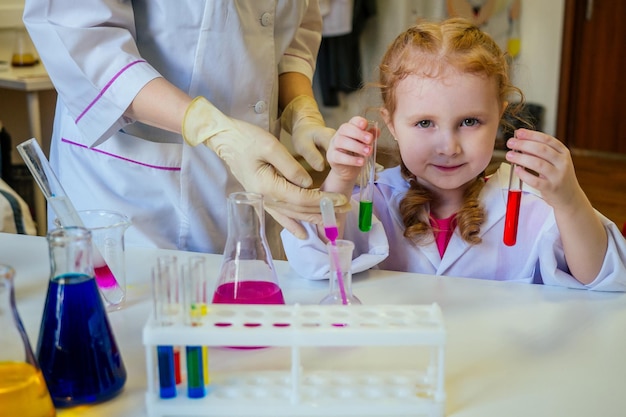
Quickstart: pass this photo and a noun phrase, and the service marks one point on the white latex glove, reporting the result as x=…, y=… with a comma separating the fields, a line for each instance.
x=260, y=163
x=309, y=134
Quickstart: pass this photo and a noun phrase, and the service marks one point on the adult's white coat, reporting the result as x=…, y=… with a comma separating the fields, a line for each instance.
x=99, y=55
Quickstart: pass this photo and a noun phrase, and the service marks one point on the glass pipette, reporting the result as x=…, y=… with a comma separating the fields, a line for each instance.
x=332, y=232
x=51, y=188
x=368, y=174
x=512, y=208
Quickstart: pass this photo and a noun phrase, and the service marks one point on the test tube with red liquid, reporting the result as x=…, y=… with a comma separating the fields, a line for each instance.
x=513, y=201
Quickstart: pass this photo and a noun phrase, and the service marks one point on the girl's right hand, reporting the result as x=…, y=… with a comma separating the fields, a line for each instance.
x=349, y=147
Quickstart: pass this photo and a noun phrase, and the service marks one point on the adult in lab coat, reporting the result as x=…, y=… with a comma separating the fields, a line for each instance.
x=126, y=73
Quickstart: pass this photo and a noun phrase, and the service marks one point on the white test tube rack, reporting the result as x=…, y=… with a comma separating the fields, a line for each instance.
x=308, y=392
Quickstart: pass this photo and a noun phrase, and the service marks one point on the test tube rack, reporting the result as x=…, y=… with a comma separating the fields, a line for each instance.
x=303, y=391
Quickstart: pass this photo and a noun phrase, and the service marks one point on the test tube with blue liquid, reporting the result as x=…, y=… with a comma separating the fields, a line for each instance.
x=366, y=179
x=166, y=309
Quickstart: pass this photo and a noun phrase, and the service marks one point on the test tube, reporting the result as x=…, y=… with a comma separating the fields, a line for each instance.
x=328, y=218
x=166, y=308
x=514, y=199
x=55, y=195
x=195, y=287
x=330, y=228
x=368, y=174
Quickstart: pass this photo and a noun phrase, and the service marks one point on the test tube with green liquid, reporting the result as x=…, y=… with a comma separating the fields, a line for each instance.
x=368, y=174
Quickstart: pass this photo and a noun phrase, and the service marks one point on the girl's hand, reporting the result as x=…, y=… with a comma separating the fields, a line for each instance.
x=582, y=233
x=349, y=147
x=551, y=160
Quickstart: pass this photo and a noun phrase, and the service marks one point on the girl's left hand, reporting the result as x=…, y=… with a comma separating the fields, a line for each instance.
x=551, y=160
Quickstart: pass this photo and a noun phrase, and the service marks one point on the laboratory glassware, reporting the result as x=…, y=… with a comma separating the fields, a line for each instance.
x=23, y=390
x=77, y=351
x=512, y=208
x=54, y=193
x=366, y=182
x=107, y=232
x=340, y=280
x=332, y=232
x=247, y=274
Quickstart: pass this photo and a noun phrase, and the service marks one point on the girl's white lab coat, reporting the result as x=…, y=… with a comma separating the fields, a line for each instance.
x=537, y=257
x=99, y=54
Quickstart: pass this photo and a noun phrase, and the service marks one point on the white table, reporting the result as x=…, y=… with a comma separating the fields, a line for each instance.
x=512, y=349
x=31, y=80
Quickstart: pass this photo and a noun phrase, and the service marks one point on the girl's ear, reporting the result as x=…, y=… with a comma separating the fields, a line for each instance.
x=384, y=113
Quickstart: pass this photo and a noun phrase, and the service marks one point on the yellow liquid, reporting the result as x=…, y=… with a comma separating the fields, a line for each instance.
x=514, y=47
x=23, y=391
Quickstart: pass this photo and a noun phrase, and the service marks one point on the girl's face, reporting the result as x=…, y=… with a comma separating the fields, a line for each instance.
x=446, y=129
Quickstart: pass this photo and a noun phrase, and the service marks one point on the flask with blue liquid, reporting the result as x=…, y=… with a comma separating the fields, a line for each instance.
x=77, y=352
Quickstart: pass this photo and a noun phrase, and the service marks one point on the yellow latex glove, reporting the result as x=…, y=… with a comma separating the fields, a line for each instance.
x=304, y=122
x=260, y=163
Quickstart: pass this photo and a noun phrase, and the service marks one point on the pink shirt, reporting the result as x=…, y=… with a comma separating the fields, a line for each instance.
x=443, y=229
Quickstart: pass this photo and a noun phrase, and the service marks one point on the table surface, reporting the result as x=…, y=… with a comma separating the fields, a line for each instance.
x=33, y=78
x=512, y=349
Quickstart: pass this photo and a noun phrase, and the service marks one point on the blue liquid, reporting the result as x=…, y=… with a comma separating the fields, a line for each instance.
x=167, y=379
x=79, y=358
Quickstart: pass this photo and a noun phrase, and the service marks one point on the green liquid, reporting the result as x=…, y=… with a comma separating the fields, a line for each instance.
x=365, y=215
x=195, y=372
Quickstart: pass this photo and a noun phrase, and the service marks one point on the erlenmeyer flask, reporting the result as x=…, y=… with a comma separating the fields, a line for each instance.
x=77, y=351
x=23, y=390
x=247, y=274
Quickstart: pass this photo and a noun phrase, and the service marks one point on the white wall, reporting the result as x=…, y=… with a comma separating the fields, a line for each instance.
x=536, y=71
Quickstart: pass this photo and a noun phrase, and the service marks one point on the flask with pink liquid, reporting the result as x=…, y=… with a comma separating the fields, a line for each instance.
x=247, y=274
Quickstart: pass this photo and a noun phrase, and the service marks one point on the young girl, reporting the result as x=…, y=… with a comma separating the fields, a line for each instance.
x=444, y=90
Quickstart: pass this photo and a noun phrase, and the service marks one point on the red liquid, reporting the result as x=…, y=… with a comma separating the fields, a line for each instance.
x=248, y=292
x=512, y=215
x=104, y=277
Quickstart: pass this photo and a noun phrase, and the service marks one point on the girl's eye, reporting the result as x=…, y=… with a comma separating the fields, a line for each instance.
x=470, y=122
x=424, y=123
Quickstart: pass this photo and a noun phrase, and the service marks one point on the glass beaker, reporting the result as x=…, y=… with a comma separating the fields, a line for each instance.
x=77, y=351
x=340, y=280
x=247, y=274
x=23, y=390
x=23, y=50
x=107, y=233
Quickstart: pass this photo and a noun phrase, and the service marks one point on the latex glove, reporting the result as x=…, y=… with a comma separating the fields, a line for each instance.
x=304, y=122
x=260, y=163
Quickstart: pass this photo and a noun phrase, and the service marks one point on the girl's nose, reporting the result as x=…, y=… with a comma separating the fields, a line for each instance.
x=448, y=144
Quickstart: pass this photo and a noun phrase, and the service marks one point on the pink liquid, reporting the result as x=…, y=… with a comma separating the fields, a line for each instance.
x=104, y=277
x=248, y=292
x=331, y=233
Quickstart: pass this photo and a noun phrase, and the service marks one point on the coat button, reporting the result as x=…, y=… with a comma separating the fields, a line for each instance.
x=260, y=107
x=267, y=19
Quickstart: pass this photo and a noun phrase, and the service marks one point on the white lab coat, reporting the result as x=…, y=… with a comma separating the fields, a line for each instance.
x=99, y=54
x=537, y=256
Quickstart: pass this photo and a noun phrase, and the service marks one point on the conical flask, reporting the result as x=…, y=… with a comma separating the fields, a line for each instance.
x=23, y=390
x=77, y=351
x=247, y=274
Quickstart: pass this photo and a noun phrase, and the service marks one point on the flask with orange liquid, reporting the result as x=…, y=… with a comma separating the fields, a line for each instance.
x=23, y=390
